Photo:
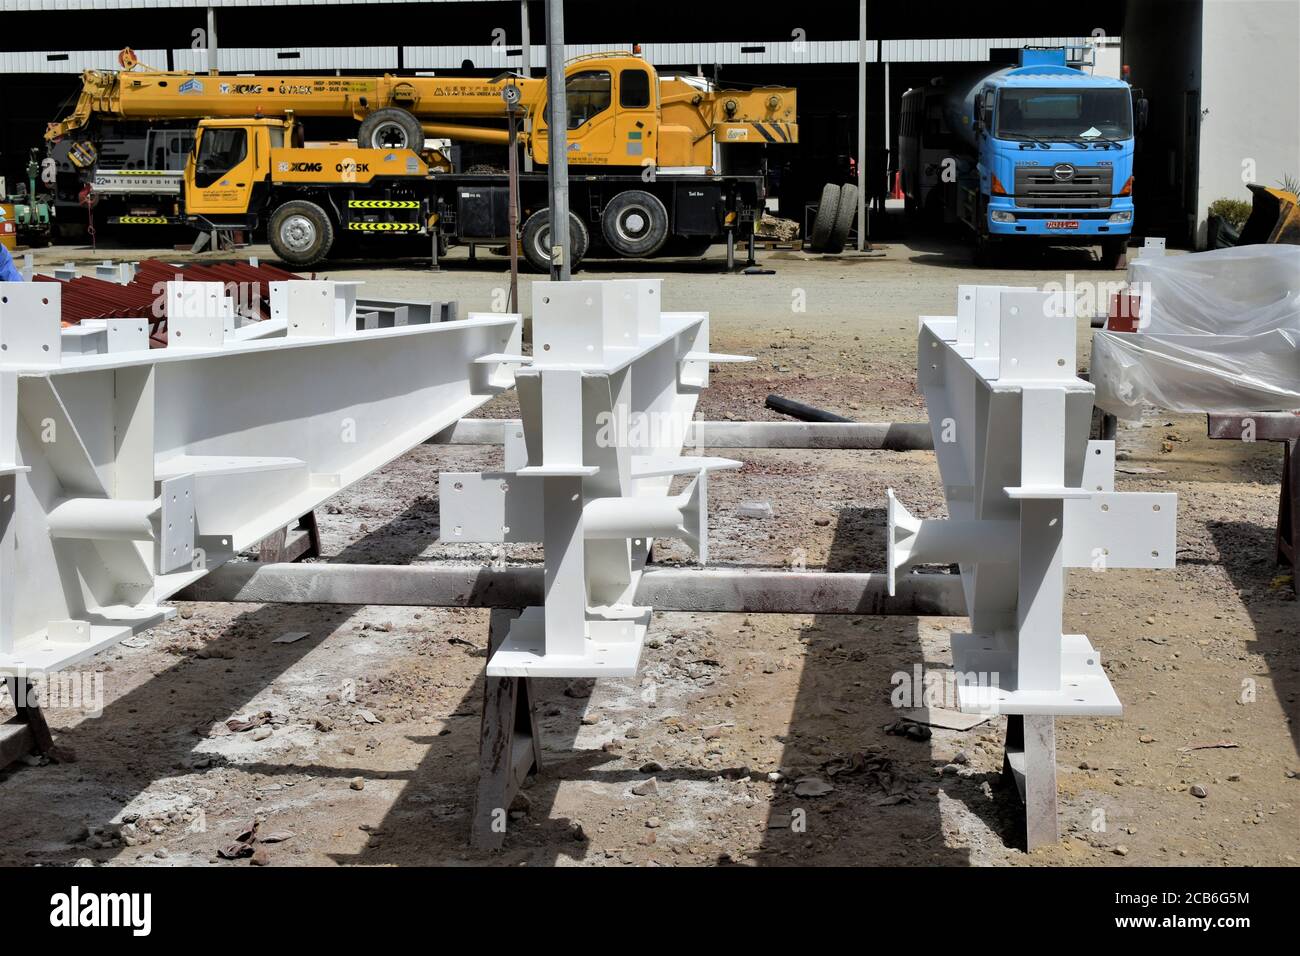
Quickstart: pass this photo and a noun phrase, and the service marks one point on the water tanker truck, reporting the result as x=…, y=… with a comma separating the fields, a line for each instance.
x=1035, y=153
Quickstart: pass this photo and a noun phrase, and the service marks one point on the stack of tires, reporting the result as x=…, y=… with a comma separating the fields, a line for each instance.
x=835, y=214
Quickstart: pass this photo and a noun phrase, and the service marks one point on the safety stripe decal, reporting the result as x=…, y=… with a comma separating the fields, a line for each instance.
x=383, y=204
x=384, y=226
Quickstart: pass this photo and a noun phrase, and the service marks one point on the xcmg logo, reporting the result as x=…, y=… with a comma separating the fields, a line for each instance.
x=306, y=167
x=75, y=909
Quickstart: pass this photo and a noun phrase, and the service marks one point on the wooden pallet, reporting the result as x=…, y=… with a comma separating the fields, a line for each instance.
x=26, y=732
x=510, y=747
x=285, y=547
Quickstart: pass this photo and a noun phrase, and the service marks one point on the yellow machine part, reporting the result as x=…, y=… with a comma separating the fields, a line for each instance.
x=1274, y=217
x=622, y=112
x=160, y=95
x=342, y=164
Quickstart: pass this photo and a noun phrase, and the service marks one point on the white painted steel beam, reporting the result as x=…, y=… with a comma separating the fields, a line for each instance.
x=128, y=473
x=606, y=403
x=1028, y=496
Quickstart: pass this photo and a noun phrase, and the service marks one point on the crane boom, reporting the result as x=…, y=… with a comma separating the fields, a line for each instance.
x=158, y=95
x=440, y=103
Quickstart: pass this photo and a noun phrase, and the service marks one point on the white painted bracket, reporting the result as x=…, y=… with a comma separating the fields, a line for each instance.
x=1028, y=496
x=606, y=403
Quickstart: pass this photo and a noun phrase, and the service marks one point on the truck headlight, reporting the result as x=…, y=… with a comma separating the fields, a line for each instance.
x=997, y=215
x=1126, y=216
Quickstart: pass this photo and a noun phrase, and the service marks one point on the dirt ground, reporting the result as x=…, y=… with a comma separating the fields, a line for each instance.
x=371, y=758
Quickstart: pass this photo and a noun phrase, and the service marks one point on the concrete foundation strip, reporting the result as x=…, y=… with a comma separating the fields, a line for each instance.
x=706, y=590
x=848, y=436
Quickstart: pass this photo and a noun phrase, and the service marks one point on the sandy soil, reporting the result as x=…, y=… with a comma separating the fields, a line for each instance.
x=734, y=709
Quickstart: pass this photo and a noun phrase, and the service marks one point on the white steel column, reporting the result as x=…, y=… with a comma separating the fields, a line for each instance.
x=212, y=41
x=526, y=44
x=862, y=125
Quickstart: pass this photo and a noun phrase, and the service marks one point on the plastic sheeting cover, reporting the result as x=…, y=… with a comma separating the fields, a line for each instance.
x=1222, y=335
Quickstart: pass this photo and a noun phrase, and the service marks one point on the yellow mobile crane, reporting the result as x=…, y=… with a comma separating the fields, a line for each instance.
x=645, y=152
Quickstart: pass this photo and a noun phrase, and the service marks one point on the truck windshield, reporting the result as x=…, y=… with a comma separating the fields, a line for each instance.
x=1064, y=114
x=220, y=150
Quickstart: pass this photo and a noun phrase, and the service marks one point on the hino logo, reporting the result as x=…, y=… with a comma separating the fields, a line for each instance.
x=1062, y=172
x=132, y=910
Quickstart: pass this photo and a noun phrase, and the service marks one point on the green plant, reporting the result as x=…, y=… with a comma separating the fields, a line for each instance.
x=1234, y=212
x=1290, y=183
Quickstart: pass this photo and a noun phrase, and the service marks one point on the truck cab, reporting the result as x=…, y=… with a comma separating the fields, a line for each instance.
x=1056, y=157
x=1041, y=151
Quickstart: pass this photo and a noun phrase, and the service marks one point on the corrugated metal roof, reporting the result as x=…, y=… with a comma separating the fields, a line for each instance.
x=315, y=59
x=687, y=55
x=974, y=49
x=72, y=61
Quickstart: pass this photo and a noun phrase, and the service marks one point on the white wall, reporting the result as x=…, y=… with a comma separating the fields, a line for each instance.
x=1250, y=97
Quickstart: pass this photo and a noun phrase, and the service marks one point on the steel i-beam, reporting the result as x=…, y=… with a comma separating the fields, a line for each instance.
x=606, y=403
x=128, y=473
x=1028, y=496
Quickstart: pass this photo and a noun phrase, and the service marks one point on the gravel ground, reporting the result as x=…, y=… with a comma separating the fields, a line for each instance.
x=368, y=755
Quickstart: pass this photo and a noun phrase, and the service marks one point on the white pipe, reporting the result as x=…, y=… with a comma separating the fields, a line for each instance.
x=951, y=541
x=103, y=519
x=636, y=517
x=862, y=126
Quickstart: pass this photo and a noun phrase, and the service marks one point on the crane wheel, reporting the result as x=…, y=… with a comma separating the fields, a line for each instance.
x=844, y=216
x=390, y=128
x=537, y=240
x=824, y=222
x=635, y=223
x=300, y=233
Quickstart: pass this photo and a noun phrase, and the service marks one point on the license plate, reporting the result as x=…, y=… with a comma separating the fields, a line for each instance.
x=1062, y=224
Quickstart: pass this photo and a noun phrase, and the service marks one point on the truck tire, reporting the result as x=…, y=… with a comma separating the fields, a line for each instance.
x=635, y=224
x=1114, y=253
x=390, y=128
x=536, y=238
x=300, y=232
x=844, y=216
x=824, y=221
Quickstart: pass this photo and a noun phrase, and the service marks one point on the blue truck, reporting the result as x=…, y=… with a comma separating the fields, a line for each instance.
x=1040, y=152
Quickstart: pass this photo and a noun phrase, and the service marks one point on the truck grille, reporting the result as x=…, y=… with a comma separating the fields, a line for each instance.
x=1038, y=186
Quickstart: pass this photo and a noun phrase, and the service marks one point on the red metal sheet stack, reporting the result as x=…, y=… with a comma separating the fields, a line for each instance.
x=88, y=298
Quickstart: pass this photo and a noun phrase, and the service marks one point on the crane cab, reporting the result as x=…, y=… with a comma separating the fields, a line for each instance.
x=612, y=101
